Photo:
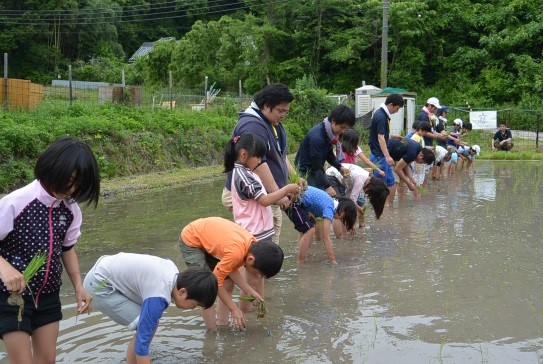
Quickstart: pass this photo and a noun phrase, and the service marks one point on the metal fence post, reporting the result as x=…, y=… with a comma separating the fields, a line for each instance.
x=205, y=93
x=240, y=95
x=537, y=123
x=170, y=78
x=70, y=82
x=6, y=79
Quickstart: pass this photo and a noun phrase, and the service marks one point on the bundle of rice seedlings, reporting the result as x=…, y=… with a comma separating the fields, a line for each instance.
x=261, y=310
x=16, y=298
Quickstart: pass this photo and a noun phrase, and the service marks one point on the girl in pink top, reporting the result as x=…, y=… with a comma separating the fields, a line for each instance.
x=352, y=152
x=44, y=217
x=251, y=204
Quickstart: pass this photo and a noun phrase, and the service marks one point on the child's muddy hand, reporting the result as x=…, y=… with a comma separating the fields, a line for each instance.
x=238, y=319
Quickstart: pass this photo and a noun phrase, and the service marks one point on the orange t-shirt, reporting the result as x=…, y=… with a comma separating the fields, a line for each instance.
x=221, y=238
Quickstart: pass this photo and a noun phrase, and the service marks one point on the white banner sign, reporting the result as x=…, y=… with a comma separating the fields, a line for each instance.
x=483, y=119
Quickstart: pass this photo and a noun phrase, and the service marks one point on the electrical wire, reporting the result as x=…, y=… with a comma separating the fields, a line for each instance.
x=125, y=18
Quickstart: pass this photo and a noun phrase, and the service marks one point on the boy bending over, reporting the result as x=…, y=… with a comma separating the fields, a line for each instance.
x=135, y=290
x=224, y=247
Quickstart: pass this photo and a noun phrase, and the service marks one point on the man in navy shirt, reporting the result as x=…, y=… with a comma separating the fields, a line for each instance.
x=503, y=139
x=318, y=145
x=379, y=136
x=404, y=152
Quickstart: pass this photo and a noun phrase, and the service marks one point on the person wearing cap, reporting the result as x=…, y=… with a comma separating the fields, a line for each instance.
x=379, y=136
x=467, y=154
x=440, y=129
x=503, y=139
x=428, y=113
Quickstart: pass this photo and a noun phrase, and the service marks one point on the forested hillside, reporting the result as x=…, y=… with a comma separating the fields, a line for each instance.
x=486, y=51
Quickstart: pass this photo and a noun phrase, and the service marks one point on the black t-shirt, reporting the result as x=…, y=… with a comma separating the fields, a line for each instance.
x=405, y=149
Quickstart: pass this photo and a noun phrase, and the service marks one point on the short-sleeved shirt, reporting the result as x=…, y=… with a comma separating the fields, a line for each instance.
x=405, y=149
x=33, y=221
x=247, y=189
x=379, y=125
x=499, y=136
x=222, y=239
x=144, y=279
x=419, y=139
x=319, y=203
x=351, y=157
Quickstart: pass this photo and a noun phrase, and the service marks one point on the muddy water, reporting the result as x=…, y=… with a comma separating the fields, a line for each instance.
x=452, y=277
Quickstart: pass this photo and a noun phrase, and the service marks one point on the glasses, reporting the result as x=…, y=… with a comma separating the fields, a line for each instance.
x=281, y=111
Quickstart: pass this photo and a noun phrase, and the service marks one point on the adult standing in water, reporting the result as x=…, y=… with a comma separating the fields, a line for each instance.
x=264, y=118
x=379, y=135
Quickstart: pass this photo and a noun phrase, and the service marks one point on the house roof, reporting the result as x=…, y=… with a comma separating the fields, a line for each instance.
x=145, y=48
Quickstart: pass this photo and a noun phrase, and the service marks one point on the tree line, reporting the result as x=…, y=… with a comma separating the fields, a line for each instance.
x=485, y=52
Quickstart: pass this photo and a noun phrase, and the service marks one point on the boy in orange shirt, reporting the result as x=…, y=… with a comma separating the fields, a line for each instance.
x=223, y=246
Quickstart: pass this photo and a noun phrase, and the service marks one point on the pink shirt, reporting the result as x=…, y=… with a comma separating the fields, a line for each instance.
x=351, y=157
x=246, y=190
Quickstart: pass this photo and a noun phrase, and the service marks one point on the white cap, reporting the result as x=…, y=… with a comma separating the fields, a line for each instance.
x=434, y=101
x=477, y=149
x=458, y=122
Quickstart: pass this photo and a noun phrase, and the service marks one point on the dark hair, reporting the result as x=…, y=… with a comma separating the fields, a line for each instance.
x=467, y=126
x=504, y=123
x=349, y=209
x=428, y=156
x=254, y=146
x=416, y=125
x=273, y=95
x=425, y=126
x=349, y=140
x=268, y=257
x=395, y=100
x=377, y=192
x=342, y=114
x=201, y=285
x=67, y=163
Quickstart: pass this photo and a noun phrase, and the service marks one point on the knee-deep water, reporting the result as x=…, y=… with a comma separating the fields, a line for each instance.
x=454, y=276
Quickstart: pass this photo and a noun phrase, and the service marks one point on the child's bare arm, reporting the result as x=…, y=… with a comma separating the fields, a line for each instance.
x=328, y=242
x=274, y=197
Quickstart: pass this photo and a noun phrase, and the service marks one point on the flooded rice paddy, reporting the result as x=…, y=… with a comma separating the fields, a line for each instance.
x=452, y=277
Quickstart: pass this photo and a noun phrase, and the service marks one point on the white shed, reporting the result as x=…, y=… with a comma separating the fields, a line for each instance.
x=368, y=99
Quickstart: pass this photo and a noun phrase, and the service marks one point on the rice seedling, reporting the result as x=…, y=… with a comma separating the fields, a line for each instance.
x=100, y=285
x=16, y=298
x=294, y=177
x=261, y=309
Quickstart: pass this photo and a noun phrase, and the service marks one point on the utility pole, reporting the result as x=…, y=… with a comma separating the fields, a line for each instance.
x=384, y=46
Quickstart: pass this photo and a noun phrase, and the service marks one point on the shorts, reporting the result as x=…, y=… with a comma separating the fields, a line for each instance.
x=226, y=199
x=299, y=217
x=112, y=303
x=49, y=310
x=336, y=185
x=381, y=162
x=196, y=257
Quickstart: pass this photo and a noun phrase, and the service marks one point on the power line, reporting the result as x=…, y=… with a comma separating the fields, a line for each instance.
x=151, y=15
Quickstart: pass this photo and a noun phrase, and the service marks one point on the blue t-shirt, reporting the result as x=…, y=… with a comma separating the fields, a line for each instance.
x=406, y=149
x=319, y=203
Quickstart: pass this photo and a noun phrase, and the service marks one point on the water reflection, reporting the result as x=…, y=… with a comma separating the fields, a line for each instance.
x=453, y=276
